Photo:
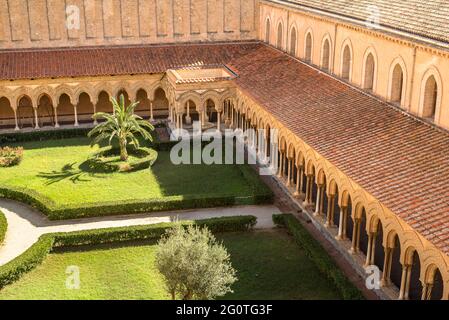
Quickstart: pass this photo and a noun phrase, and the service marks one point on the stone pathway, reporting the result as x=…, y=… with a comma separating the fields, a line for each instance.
x=26, y=225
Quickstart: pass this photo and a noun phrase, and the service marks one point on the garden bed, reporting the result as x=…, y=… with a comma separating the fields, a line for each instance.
x=54, y=178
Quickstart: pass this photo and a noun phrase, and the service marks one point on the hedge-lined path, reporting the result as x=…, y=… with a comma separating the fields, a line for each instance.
x=26, y=225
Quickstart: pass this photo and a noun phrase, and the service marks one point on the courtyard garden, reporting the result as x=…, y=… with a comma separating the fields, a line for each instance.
x=56, y=178
x=269, y=265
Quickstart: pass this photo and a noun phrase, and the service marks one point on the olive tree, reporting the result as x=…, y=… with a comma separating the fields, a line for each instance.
x=194, y=264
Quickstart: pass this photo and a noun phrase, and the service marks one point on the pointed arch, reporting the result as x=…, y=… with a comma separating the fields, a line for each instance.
x=369, y=70
x=308, y=47
x=293, y=41
x=267, y=29
x=326, y=56
x=397, y=83
x=431, y=93
x=346, y=61
x=280, y=35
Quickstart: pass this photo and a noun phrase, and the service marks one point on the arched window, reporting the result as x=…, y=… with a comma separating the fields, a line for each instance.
x=430, y=98
x=280, y=39
x=267, y=31
x=369, y=72
x=397, y=84
x=346, y=63
x=325, y=54
x=308, y=50
x=293, y=42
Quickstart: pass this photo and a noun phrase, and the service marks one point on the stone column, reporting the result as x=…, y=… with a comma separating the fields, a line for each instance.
x=267, y=147
x=318, y=201
x=56, y=117
x=369, y=251
x=308, y=198
x=95, y=111
x=386, y=275
x=151, y=111
x=289, y=172
x=16, y=121
x=75, y=114
x=405, y=282
x=281, y=166
x=299, y=174
x=219, y=122
x=36, y=119
x=427, y=291
x=330, y=210
x=188, y=118
x=342, y=223
x=355, y=236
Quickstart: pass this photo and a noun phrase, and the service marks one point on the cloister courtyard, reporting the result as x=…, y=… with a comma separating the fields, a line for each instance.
x=55, y=179
x=343, y=110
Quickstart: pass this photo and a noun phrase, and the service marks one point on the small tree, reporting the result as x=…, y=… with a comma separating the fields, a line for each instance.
x=194, y=264
x=122, y=125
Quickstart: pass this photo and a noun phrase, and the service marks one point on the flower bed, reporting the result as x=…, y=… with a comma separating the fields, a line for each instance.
x=10, y=156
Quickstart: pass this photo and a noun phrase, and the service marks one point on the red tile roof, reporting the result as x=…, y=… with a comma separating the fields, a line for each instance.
x=400, y=160
x=101, y=61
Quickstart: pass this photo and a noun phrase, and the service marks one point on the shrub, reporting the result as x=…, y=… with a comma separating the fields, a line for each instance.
x=10, y=156
x=41, y=135
x=32, y=257
x=194, y=264
x=318, y=255
x=103, y=160
x=3, y=227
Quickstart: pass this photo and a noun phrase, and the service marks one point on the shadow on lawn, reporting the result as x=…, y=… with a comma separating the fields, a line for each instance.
x=71, y=173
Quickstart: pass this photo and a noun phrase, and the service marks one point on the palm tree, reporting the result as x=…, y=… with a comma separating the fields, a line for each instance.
x=123, y=124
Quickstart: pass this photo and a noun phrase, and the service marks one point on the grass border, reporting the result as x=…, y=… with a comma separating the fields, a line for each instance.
x=318, y=255
x=261, y=194
x=35, y=255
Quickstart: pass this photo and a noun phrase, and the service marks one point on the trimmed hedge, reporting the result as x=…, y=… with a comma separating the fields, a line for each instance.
x=57, y=212
x=101, y=160
x=41, y=135
x=34, y=256
x=318, y=255
x=261, y=194
x=3, y=227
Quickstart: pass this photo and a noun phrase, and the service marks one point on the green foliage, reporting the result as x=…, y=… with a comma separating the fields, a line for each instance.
x=122, y=125
x=194, y=264
x=31, y=258
x=104, y=161
x=10, y=156
x=318, y=255
x=42, y=135
x=34, y=256
x=58, y=212
x=3, y=227
x=269, y=264
x=262, y=193
x=150, y=232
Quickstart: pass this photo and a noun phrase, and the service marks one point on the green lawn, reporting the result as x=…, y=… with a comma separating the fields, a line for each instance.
x=57, y=170
x=269, y=266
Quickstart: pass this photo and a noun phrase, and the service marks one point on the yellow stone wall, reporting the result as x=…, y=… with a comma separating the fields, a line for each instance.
x=419, y=60
x=44, y=23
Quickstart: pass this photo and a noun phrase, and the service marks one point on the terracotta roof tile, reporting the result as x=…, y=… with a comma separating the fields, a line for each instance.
x=401, y=161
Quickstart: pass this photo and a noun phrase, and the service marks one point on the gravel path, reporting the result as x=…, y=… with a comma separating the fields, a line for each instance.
x=26, y=225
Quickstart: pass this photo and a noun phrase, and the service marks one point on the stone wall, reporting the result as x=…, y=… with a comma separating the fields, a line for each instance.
x=63, y=23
